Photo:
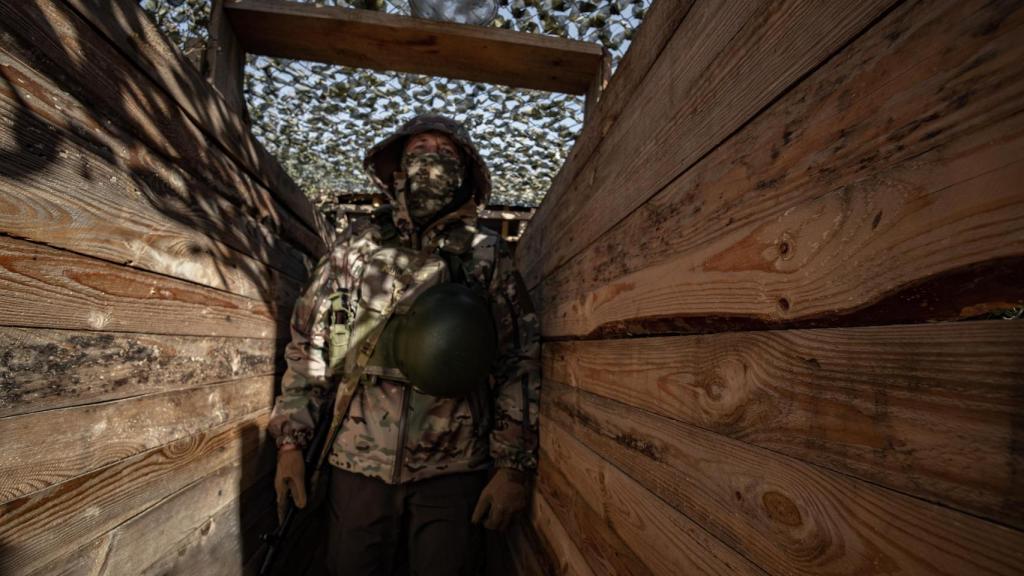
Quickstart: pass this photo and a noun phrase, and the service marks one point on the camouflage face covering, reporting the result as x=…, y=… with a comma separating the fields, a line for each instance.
x=433, y=180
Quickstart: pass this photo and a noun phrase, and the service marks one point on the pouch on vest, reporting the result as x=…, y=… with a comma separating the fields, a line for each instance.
x=338, y=335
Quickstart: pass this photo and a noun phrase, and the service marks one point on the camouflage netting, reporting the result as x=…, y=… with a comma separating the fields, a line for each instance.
x=319, y=119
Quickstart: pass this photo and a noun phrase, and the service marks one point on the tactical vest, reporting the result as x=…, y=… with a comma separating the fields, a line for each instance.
x=387, y=282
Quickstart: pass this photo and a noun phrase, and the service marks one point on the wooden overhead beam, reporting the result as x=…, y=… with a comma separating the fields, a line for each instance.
x=386, y=42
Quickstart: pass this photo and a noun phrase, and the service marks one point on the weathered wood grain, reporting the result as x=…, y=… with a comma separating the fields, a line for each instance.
x=560, y=546
x=47, y=525
x=725, y=62
x=596, y=540
x=85, y=561
x=32, y=88
x=47, y=288
x=206, y=512
x=391, y=42
x=597, y=85
x=129, y=207
x=782, y=514
x=655, y=31
x=665, y=539
x=882, y=189
x=47, y=369
x=60, y=46
x=224, y=543
x=928, y=410
x=528, y=555
x=125, y=25
x=100, y=434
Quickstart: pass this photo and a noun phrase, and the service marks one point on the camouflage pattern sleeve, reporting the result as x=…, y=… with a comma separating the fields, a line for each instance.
x=517, y=377
x=305, y=385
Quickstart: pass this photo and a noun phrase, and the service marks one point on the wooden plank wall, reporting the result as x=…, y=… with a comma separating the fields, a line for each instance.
x=150, y=251
x=764, y=274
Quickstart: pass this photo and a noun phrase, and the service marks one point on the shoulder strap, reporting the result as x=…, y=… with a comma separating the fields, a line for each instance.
x=350, y=382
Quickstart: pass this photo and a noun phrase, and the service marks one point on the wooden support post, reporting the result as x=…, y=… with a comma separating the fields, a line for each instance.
x=597, y=86
x=224, y=66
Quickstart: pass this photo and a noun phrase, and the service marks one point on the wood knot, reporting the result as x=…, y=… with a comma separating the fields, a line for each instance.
x=781, y=509
x=786, y=247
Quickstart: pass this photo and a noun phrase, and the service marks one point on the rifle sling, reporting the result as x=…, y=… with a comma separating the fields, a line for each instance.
x=350, y=382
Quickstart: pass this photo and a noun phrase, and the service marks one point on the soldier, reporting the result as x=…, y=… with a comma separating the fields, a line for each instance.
x=427, y=447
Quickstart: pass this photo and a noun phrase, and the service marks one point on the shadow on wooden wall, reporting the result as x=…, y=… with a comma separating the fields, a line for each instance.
x=150, y=252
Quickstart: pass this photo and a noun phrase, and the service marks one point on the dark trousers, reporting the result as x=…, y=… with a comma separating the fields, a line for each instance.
x=416, y=529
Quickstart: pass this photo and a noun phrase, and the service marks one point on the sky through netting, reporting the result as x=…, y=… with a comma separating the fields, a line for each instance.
x=319, y=119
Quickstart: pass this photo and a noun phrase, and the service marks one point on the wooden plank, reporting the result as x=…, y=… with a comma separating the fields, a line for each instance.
x=723, y=65
x=389, y=42
x=656, y=30
x=107, y=94
x=224, y=64
x=85, y=561
x=784, y=515
x=107, y=432
x=602, y=548
x=927, y=410
x=173, y=183
x=528, y=556
x=47, y=369
x=562, y=549
x=883, y=189
x=126, y=26
x=134, y=209
x=221, y=546
x=47, y=525
x=597, y=86
x=665, y=541
x=203, y=515
x=47, y=288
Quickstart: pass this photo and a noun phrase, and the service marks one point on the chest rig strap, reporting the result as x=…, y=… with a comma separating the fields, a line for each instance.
x=359, y=356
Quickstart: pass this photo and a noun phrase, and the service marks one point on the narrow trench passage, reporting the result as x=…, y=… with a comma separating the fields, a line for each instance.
x=738, y=291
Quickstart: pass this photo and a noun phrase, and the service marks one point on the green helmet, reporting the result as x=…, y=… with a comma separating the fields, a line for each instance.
x=447, y=343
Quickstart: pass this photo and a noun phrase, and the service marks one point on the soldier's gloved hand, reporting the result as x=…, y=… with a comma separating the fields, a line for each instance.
x=503, y=497
x=290, y=478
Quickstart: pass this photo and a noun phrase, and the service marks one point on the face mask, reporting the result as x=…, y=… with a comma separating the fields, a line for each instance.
x=433, y=180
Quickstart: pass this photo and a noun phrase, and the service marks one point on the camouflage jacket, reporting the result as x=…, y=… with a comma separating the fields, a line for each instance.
x=392, y=431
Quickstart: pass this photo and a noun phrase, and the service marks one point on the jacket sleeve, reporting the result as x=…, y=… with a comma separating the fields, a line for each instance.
x=513, y=441
x=305, y=386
